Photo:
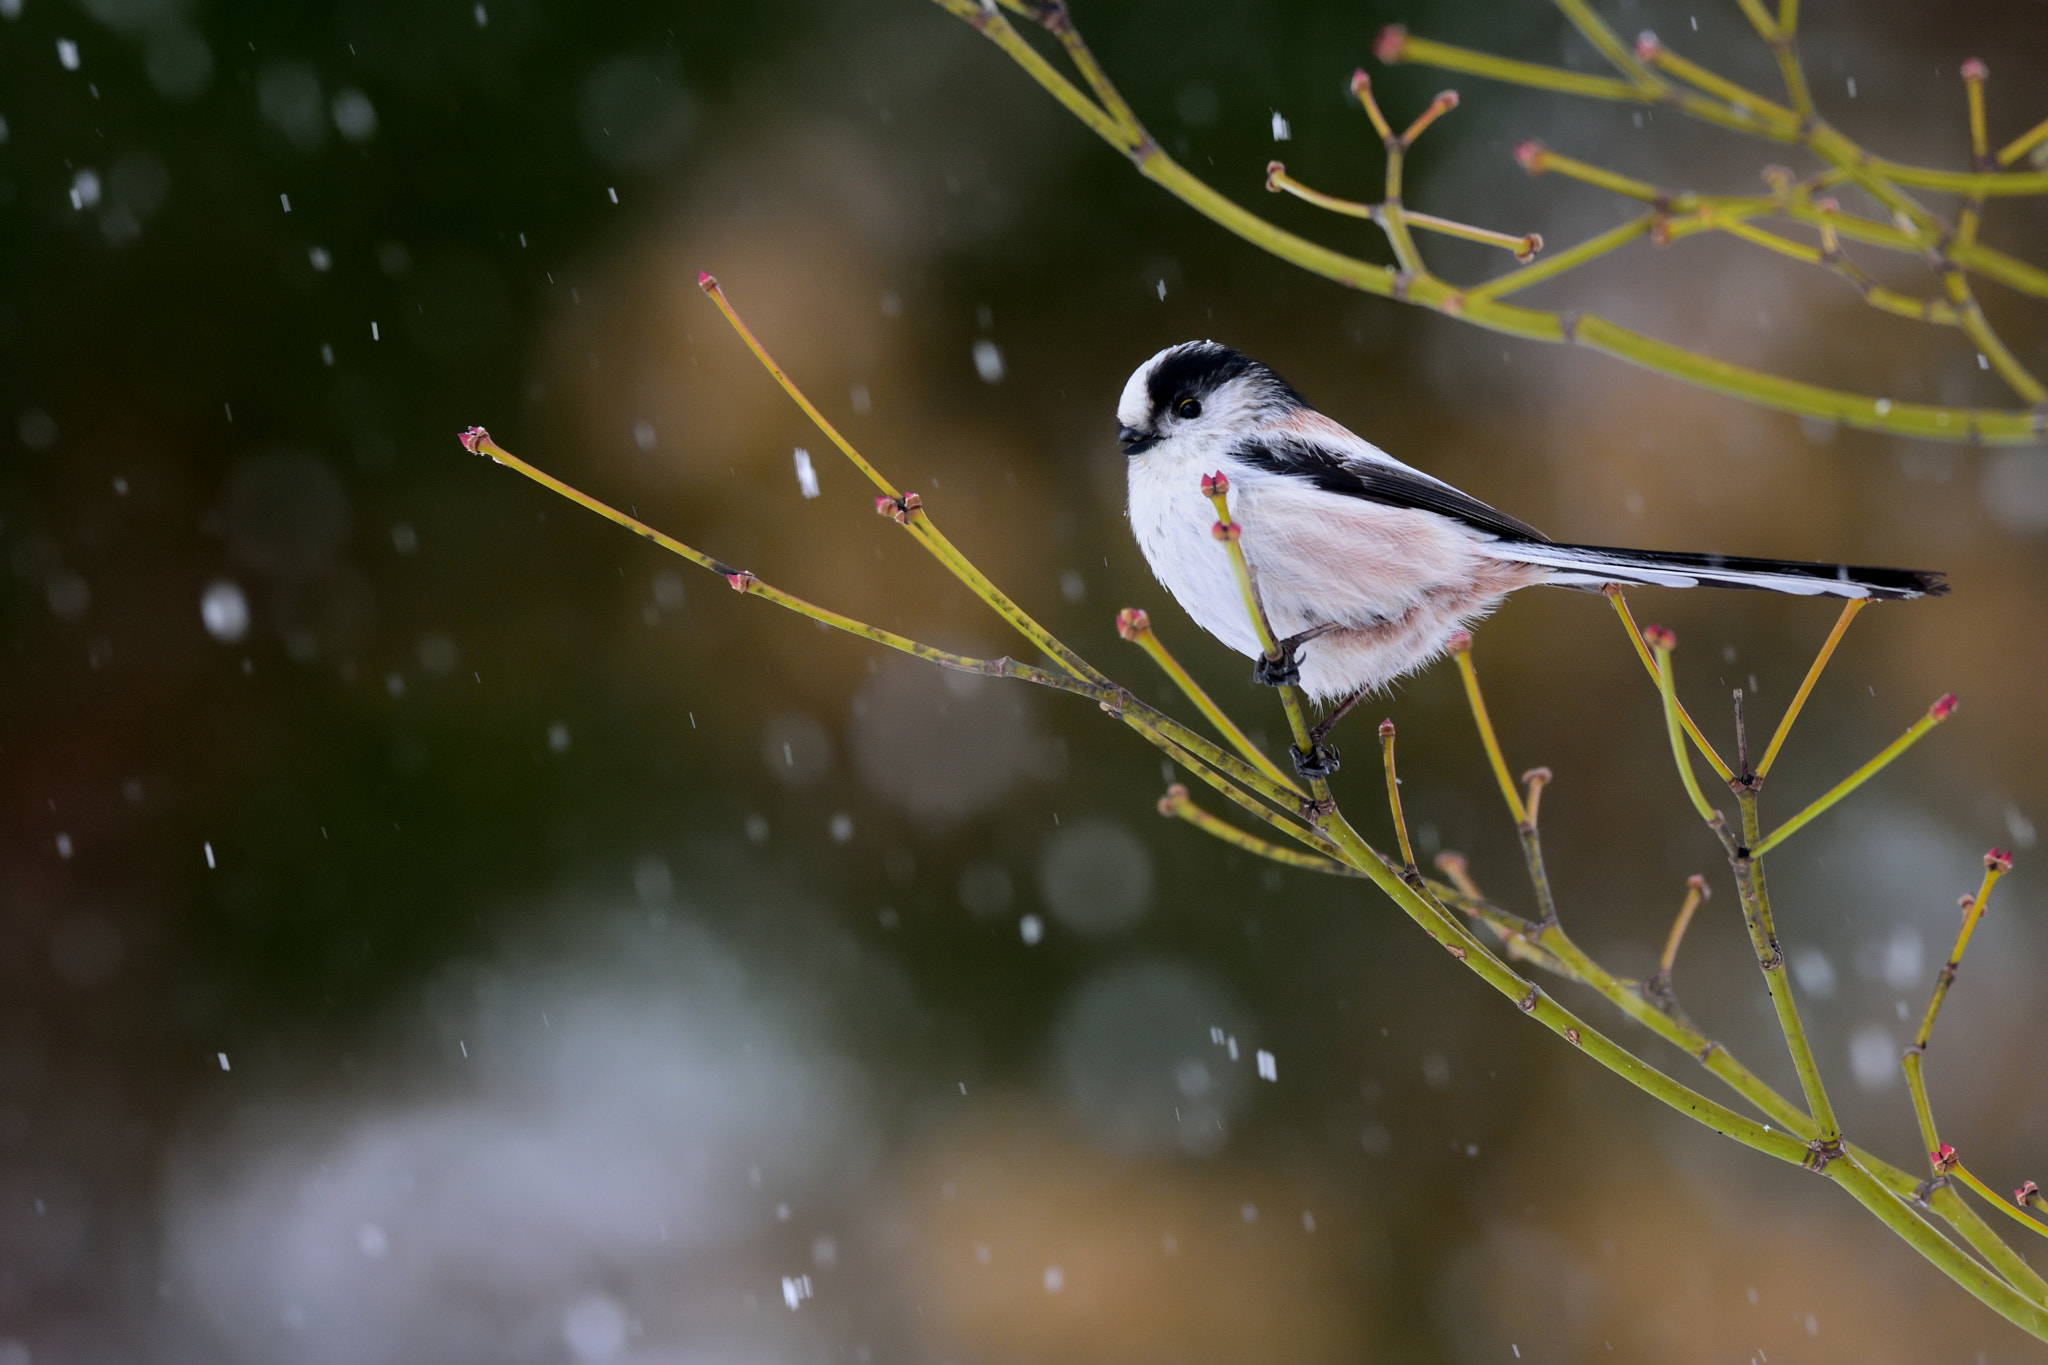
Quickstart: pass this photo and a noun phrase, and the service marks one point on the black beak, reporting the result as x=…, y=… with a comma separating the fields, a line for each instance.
x=1135, y=442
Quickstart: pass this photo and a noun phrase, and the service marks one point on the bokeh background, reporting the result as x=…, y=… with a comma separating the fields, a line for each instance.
x=437, y=925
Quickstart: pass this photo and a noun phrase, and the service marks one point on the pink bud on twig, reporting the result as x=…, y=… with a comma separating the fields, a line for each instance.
x=1998, y=859
x=1974, y=70
x=1659, y=637
x=1387, y=728
x=1274, y=170
x=2026, y=1194
x=740, y=581
x=1226, y=531
x=1460, y=642
x=1944, y=706
x=1944, y=1159
x=1132, y=622
x=1176, y=797
x=1699, y=884
x=705, y=282
x=1213, y=484
x=1529, y=155
x=473, y=439
x=1389, y=45
x=1647, y=46
x=1360, y=82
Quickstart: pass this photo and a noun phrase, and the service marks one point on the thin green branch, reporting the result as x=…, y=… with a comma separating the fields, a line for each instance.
x=1942, y=709
x=1751, y=887
x=1177, y=805
x=1962, y=1173
x=1706, y=750
x=1216, y=488
x=1136, y=626
x=1850, y=609
x=1661, y=641
x=1408, y=867
x=1996, y=864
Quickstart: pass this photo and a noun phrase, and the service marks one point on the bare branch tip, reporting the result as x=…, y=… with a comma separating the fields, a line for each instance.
x=1274, y=170
x=1532, y=245
x=1450, y=862
x=1132, y=622
x=1944, y=707
x=1699, y=884
x=1389, y=46
x=1537, y=777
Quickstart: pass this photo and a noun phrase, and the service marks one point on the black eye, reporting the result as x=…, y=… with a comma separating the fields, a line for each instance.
x=1188, y=408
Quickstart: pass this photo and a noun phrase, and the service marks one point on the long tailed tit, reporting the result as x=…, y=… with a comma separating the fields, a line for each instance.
x=1365, y=566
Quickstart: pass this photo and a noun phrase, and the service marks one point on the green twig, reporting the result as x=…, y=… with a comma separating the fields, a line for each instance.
x=1942, y=709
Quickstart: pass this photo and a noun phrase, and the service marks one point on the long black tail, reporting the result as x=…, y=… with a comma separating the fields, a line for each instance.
x=1597, y=565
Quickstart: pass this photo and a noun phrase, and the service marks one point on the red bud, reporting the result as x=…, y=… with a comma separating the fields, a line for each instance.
x=740, y=581
x=1213, y=484
x=1389, y=45
x=1387, y=728
x=1975, y=70
x=1226, y=531
x=1944, y=707
x=705, y=282
x=1659, y=637
x=1647, y=46
x=1944, y=1158
x=1132, y=622
x=1360, y=82
x=1460, y=642
x=2026, y=1194
x=1998, y=858
x=1529, y=156
x=473, y=439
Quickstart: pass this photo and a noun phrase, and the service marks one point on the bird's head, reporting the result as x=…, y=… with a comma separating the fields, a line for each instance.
x=1199, y=388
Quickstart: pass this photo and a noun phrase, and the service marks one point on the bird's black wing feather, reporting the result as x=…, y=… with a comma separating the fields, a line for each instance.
x=1388, y=484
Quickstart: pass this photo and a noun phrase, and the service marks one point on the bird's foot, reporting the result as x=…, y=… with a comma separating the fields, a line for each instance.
x=1285, y=671
x=1317, y=762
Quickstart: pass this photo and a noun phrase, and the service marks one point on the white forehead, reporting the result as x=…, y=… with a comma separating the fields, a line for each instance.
x=1134, y=409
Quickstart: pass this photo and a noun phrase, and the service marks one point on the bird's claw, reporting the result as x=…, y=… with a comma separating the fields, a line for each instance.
x=1317, y=763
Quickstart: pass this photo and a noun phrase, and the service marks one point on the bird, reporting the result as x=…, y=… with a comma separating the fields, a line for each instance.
x=1366, y=567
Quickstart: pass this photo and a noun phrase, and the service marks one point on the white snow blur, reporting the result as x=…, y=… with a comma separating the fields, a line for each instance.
x=602, y=1173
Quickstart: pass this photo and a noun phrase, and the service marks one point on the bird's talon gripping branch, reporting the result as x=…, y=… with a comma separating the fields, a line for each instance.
x=1284, y=671
x=1318, y=763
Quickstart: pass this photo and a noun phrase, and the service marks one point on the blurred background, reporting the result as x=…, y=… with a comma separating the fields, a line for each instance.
x=435, y=924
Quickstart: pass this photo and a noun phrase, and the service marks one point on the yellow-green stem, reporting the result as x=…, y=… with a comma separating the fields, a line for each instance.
x=1140, y=632
x=1850, y=609
x=1936, y=714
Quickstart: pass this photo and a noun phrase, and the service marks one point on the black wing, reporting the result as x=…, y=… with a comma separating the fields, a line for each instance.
x=1388, y=484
